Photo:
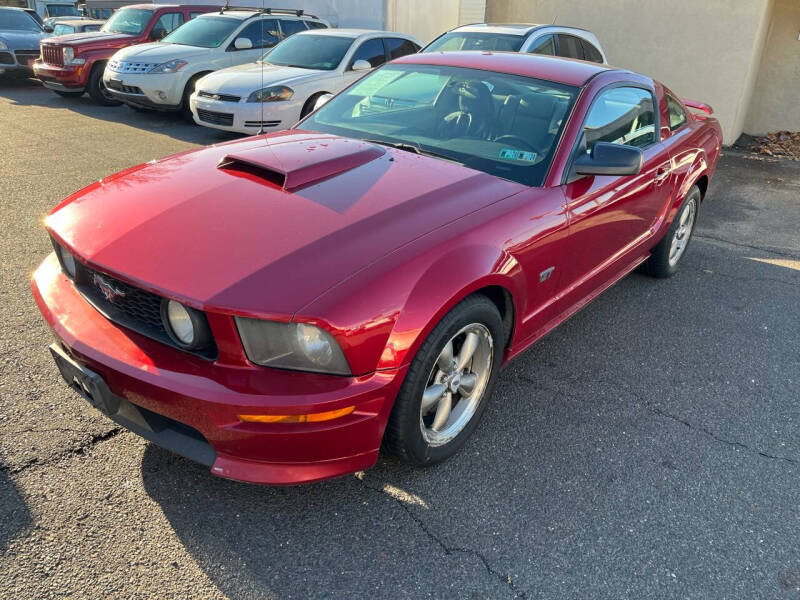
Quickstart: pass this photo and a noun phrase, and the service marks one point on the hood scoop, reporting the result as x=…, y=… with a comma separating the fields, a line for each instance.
x=292, y=164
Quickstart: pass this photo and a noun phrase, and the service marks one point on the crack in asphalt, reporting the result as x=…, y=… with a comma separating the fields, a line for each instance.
x=711, y=434
x=771, y=250
x=448, y=550
x=746, y=279
x=79, y=451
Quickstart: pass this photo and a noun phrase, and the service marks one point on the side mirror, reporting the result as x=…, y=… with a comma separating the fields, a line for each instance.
x=158, y=34
x=322, y=100
x=361, y=65
x=48, y=28
x=609, y=159
x=243, y=43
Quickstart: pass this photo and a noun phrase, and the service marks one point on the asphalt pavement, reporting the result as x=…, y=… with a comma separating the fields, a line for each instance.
x=648, y=448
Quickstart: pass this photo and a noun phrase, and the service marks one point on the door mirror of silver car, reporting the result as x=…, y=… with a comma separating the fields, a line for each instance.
x=243, y=43
x=158, y=34
x=609, y=159
x=361, y=65
x=322, y=100
x=48, y=28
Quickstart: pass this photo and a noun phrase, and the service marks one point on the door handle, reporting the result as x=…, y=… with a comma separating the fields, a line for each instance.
x=661, y=175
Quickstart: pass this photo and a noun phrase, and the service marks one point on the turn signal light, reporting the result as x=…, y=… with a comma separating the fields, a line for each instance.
x=309, y=418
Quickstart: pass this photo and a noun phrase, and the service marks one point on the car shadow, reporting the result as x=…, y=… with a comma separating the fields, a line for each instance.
x=587, y=461
x=15, y=517
x=30, y=92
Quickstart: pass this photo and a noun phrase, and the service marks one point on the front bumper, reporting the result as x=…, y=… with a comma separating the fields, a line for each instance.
x=11, y=62
x=157, y=92
x=244, y=117
x=69, y=78
x=200, y=398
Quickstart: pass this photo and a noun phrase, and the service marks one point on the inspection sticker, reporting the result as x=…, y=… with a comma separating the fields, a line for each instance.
x=511, y=154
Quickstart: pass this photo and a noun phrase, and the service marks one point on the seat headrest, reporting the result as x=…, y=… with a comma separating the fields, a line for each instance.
x=537, y=106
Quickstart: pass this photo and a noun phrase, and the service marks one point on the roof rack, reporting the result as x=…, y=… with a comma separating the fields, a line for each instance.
x=267, y=11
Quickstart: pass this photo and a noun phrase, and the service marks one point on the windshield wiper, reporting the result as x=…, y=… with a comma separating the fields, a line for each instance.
x=415, y=148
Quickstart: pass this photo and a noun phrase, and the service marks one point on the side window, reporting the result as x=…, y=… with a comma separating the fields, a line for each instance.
x=263, y=33
x=370, y=51
x=622, y=115
x=677, y=115
x=166, y=23
x=291, y=26
x=62, y=30
x=316, y=25
x=398, y=47
x=544, y=45
x=590, y=52
x=569, y=46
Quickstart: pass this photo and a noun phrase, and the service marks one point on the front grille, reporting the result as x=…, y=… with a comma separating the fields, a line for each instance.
x=261, y=123
x=6, y=58
x=123, y=66
x=221, y=97
x=217, y=118
x=52, y=55
x=129, y=306
x=121, y=87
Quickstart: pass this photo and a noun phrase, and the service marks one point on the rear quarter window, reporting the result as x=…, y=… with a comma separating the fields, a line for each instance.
x=677, y=114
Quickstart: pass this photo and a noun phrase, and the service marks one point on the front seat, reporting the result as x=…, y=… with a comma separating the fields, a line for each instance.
x=474, y=114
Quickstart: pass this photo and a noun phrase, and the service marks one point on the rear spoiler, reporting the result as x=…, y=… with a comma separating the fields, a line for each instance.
x=706, y=108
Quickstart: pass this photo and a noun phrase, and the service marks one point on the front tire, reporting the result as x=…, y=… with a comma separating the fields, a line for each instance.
x=97, y=89
x=664, y=258
x=448, y=384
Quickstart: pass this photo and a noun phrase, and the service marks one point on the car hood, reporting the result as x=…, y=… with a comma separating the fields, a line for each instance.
x=286, y=217
x=244, y=79
x=21, y=40
x=161, y=52
x=91, y=38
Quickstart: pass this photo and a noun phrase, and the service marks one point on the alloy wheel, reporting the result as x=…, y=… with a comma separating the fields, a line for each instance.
x=683, y=232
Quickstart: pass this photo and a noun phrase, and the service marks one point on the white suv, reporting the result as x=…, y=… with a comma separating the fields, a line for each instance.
x=162, y=75
x=284, y=86
x=555, y=40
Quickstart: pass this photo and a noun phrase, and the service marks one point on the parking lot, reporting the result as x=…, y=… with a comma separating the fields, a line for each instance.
x=648, y=447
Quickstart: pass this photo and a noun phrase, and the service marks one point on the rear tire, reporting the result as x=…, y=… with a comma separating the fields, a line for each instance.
x=666, y=256
x=96, y=88
x=429, y=423
x=68, y=94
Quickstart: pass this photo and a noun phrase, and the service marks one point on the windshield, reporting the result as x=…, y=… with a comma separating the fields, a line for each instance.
x=17, y=20
x=310, y=51
x=504, y=125
x=63, y=30
x=131, y=21
x=477, y=40
x=205, y=32
x=63, y=10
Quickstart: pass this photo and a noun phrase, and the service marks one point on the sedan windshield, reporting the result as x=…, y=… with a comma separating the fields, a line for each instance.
x=479, y=40
x=17, y=20
x=504, y=125
x=130, y=21
x=204, y=32
x=310, y=52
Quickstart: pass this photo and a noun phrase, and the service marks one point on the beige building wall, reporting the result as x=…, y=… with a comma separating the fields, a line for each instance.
x=427, y=19
x=709, y=50
x=776, y=97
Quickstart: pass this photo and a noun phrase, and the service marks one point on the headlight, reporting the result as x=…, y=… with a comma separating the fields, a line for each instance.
x=186, y=326
x=275, y=93
x=69, y=56
x=3, y=45
x=67, y=261
x=171, y=66
x=297, y=346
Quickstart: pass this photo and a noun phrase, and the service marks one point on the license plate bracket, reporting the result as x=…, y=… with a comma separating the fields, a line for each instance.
x=86, y=382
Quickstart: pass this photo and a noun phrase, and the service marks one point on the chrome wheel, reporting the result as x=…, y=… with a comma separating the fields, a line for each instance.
x=683, y=232
x=456, y=384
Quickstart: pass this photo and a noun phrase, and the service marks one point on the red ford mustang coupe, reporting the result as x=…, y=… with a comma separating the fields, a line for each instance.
x=281, y=307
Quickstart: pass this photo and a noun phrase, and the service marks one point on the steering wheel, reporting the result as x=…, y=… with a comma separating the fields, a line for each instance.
x=517, y=140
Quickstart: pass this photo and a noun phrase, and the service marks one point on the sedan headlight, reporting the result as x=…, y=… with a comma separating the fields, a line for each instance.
x=296, y=346
x=67, y=261
x=172, y=66
x=3, y=45
x=69, y=56
x=275, y=93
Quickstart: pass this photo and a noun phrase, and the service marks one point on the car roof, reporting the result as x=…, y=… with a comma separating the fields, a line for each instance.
x=160, y=6
x=81, y=22
x=354, y=33
x=242, y=14
x=511, y=28
x=551, y=68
